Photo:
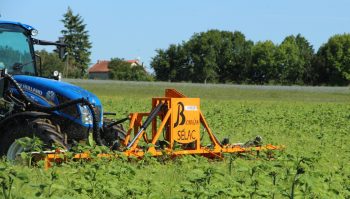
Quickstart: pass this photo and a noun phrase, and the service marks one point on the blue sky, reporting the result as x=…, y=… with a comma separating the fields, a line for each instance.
x=136, y=28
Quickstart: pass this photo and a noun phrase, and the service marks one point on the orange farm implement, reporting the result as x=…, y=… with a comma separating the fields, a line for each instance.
x=178, y=127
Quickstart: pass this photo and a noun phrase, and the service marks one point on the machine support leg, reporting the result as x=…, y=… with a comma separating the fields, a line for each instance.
x=161, y=127
x=211, y=135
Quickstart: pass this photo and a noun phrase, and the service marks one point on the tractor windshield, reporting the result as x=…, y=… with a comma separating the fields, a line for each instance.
x=15, y=51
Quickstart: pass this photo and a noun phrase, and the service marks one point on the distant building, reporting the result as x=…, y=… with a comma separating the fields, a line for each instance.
x=100, y=69
x=133, y=62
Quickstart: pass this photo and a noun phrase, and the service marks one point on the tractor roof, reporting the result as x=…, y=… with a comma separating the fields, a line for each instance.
x=27, y=27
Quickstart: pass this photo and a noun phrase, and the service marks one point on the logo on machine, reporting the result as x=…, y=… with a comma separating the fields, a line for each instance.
x=50, y=95
x=180, y=116
x=31, y=89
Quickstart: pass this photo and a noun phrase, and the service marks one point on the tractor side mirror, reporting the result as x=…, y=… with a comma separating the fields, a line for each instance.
x=61, y=47
x=61, y=50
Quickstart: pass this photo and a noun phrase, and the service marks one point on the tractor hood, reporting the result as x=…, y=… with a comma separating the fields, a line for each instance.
x=50, y=90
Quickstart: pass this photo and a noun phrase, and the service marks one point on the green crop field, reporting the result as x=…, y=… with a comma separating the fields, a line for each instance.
x=313, y=123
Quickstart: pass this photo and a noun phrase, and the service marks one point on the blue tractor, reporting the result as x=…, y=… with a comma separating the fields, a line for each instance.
x=57, y=113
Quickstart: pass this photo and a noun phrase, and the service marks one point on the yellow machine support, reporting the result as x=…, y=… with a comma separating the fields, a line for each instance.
x=176, y=122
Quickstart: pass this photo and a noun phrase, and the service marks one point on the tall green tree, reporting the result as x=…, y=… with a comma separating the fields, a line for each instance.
x=333, y=60
x=294, y=59
x=171, y=64
x=203, y=50
x=233, y=55
x=218, y=56
x=225, y=58
x=161, y=65
x=242, y=57
x=263, y=68
x=306, y=53
x=78, y=45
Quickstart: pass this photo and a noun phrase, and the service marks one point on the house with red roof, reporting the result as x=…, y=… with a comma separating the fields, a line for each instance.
x=100, y=70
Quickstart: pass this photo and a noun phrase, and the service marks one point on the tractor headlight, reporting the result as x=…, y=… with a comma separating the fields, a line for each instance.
x=86, y=116
x=34, y=32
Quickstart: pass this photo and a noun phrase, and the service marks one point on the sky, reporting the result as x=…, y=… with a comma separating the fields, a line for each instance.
x=132, y=29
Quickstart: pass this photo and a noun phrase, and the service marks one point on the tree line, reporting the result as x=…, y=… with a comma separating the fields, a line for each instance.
x=215, y=56
x=228, y=57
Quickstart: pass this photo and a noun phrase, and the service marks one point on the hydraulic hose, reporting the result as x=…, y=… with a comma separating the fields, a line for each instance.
x=30, y=103
x=149, y=119
x=117, y=122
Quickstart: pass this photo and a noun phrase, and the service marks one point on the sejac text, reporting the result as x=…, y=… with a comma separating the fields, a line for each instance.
x=186, y=135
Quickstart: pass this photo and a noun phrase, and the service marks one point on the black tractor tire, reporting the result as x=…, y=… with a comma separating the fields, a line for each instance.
x=43, y=129
x=120, y=134
x=114, y=135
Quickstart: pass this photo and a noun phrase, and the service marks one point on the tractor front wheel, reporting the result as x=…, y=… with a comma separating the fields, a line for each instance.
x=113, y=136
x=23, y=137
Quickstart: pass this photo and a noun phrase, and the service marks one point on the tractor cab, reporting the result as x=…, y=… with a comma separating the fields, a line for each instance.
x=17, y=55
x=16, y=49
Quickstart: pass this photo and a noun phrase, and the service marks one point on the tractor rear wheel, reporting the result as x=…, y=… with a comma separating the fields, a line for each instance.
x=13, y=141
